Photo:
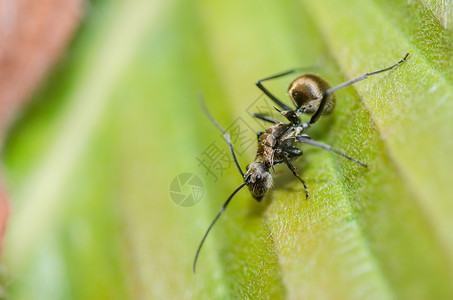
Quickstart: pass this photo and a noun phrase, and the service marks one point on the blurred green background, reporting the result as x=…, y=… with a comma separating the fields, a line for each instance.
x=90, y=161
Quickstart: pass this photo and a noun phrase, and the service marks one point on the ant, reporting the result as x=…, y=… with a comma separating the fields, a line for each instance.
x=310, y=94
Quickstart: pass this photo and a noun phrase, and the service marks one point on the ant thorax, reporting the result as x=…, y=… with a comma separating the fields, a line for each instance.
x=275, y=146
x=273, y=143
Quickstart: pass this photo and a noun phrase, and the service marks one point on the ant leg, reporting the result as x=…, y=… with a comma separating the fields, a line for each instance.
x=318, y=112
x=309, y=141
x=226, y=135
x=293, y=169
x=292, y=151
x=266, y=118
x=266, y=91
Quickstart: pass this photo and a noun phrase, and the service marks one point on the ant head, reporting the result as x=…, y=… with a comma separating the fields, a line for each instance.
x=258, y=179
x=307, y=91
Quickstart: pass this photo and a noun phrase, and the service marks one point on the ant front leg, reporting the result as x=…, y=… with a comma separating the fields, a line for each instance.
x=293, y=169
x=292, y=151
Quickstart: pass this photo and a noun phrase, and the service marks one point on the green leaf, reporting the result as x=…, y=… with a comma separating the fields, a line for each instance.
x=91, y=162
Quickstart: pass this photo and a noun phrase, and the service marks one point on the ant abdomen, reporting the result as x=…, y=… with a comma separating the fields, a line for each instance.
x=306, y=93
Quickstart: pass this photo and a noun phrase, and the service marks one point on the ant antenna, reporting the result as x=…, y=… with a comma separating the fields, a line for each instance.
x=317, y=114
x=226, y=135
x=213, y=222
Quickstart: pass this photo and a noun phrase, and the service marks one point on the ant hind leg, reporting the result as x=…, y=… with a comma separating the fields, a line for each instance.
x=269, y=94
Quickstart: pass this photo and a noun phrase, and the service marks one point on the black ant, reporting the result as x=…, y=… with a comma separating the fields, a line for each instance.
x=310, y=94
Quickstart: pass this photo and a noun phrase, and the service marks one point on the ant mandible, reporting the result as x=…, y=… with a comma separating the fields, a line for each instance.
x=310, y=94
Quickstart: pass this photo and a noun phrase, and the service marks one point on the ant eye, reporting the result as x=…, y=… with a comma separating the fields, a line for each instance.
x=258, y=177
